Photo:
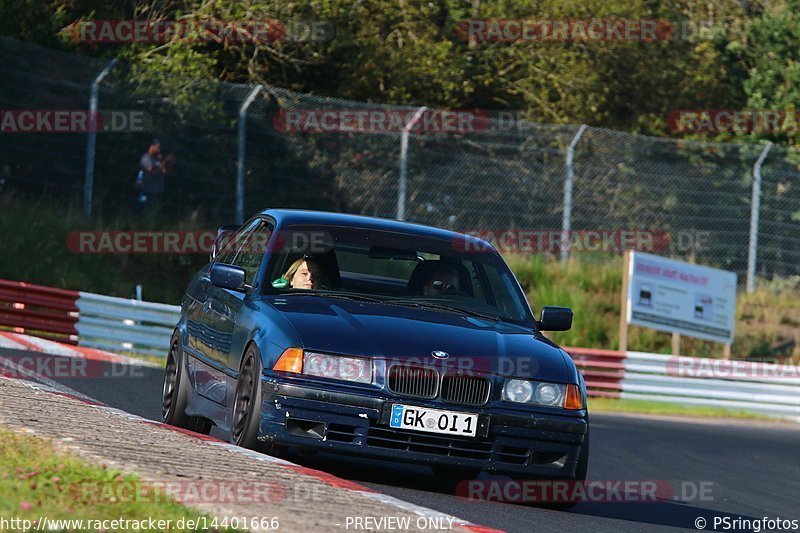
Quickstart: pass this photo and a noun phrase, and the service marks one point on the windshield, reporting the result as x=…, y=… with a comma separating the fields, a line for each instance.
x=395, y=269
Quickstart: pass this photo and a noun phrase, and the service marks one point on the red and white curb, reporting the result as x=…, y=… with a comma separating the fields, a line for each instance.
x=329, y=479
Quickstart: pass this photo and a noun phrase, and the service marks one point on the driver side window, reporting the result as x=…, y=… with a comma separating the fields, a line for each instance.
x=232, y=242
x=253, y=247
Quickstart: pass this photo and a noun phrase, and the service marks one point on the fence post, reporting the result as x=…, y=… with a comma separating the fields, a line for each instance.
x=240, y=159
x=88, y=183
x=401, y=186
x=755, y=212
x=566, y=221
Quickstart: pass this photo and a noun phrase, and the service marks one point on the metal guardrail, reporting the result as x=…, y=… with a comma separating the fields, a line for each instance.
x=86, y=319
x=603, y=370
x=37, y=310
x=757, y=387
x=761, y=388
x=125, y=325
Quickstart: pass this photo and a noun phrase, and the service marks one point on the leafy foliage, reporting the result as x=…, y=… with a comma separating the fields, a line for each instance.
x=719, y=54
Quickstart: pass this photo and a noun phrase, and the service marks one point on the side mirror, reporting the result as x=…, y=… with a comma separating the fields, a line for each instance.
x=555, y=319
x=224, y=234
x=228, y=277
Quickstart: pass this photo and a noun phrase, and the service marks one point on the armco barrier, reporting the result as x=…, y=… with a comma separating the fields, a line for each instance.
x=37, y=310
x=762, y=388
x=122, y=325
x=603, y=370
x=86, y=319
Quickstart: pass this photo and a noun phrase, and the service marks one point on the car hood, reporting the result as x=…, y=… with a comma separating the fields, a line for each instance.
x=410, y=334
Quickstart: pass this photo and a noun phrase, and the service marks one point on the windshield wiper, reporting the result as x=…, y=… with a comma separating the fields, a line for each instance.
x=401, y=302
x=339, y=295
x=440, y=307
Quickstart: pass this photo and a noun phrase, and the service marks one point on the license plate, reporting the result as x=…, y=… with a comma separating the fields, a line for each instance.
x=433, y=420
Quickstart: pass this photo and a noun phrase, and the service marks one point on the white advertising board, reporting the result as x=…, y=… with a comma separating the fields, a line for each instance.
x=670, y=295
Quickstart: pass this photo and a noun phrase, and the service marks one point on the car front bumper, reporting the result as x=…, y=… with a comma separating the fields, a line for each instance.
x=533, y=445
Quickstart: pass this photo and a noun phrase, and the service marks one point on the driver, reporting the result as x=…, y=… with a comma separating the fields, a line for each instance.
x=447, y=275
x=305, y=273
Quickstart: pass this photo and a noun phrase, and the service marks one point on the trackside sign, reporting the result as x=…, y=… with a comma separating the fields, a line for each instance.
x=670, y=295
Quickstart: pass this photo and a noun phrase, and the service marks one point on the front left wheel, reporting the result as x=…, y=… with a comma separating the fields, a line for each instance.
x=176, y=387
x=175, y=394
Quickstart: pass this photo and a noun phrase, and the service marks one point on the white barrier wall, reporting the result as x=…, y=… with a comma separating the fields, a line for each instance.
x=122, y=325
x=768, y=389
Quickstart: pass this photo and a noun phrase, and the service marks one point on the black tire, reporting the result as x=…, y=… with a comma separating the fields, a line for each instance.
x=247, y=402
x=175, y=393
x=176, y=387
x=455, y=472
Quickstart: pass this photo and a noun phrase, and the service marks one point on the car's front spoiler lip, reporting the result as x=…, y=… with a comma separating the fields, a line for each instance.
x=571, y=425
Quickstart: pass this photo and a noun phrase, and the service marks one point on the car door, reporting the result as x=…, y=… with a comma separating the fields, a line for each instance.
x=226, y=305
x=209, y=334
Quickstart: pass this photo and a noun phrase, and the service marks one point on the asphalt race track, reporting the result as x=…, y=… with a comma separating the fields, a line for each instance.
x=748, y=470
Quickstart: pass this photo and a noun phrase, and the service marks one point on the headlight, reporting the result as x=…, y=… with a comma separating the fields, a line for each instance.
x=540, y=393
x=518, y=390
x=337, y=367
x=549, y=394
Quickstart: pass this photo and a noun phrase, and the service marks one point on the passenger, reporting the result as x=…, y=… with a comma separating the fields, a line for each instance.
x=305, y=273
x=448, y=277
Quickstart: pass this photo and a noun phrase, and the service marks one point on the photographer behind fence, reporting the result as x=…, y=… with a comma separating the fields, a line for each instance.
x=150, y=180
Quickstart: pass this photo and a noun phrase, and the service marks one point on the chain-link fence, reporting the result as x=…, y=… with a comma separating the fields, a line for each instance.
x=499, y=176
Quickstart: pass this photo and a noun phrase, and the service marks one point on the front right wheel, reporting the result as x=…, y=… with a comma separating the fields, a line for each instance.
x=247, y=402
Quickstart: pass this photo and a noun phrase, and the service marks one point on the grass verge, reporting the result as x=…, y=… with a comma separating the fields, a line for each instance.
x=647, y=407
x=36, y=481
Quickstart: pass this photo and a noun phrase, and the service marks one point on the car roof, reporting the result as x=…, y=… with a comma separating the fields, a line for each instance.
x=286, y=217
